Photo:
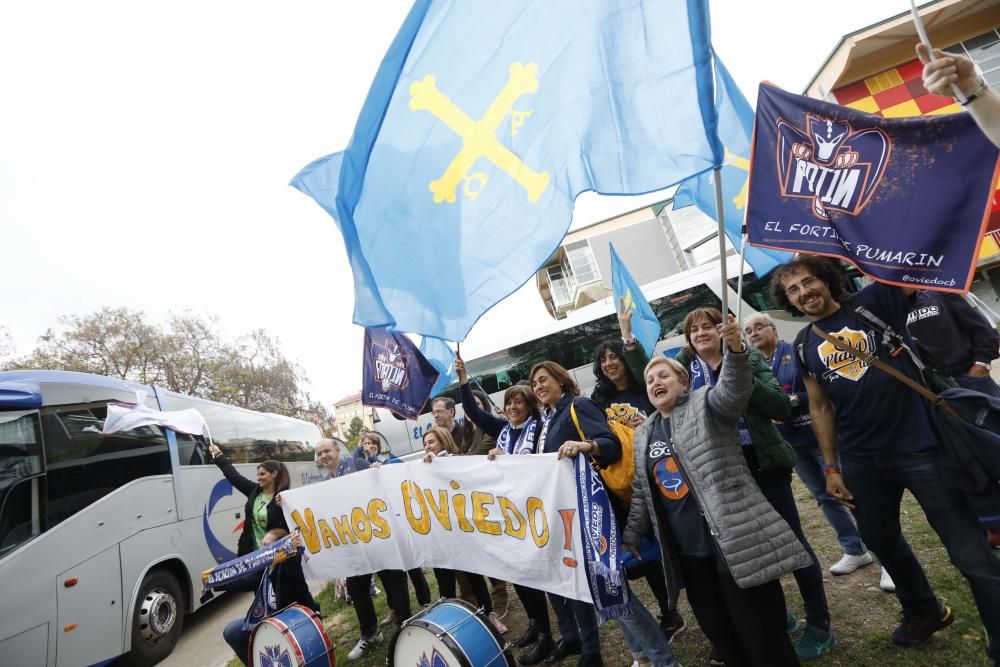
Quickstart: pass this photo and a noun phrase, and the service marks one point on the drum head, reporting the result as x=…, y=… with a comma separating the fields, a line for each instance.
x=449, y=633
x=292, y=637
x=271, y=648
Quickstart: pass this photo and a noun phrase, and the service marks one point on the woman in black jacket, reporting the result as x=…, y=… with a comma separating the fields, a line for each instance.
x=263, y=523
x=557, y=392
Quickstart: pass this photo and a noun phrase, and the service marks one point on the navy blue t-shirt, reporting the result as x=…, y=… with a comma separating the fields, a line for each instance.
x=876, y=413
x=629, y=408
x=687, y=525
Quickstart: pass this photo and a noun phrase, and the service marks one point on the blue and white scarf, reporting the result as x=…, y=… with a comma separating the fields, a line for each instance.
x=601, y=543
x=253, y=562
x=525, y=443
x=701, y=376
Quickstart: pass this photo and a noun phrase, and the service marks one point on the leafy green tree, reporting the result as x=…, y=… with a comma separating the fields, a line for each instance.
x=354, y=432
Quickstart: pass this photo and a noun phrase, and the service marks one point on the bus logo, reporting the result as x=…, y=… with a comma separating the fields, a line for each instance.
x=220, y=552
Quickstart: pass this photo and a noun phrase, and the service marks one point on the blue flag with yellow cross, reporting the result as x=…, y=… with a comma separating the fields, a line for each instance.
x=485, y=121
x=645, y=325
x=735, y=130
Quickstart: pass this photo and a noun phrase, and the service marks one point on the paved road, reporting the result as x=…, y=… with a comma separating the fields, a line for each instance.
x=201, y=643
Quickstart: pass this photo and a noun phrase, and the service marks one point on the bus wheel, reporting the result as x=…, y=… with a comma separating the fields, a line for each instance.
x=157, y=619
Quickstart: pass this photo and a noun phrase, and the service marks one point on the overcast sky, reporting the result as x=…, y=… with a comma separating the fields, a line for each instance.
x=145, y=151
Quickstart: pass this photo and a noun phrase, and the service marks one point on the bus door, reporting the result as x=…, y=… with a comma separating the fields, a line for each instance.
x=24, y=632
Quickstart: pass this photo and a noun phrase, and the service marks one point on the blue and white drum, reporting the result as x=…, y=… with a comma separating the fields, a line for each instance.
x=450, y=633
x=293, y=637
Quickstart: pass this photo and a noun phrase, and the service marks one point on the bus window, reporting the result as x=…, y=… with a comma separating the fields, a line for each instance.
x=192, y=450
x=220, y=427
x=20, y=464
x=84, y=465
x=756, y=292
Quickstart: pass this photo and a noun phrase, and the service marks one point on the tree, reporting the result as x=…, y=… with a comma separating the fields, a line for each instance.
x=187, y=355
x=354, y=431
x=6, y=342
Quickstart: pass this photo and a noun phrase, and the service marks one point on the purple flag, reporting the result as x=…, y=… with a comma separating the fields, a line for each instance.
x=396, y=375
x=906, y=200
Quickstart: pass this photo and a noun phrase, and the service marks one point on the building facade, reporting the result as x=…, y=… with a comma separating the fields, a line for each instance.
x=654, y=242
x=344, y=412
x=875, y=70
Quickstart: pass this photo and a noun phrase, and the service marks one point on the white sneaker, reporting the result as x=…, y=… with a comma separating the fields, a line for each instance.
x=364, y=644
x=849, y=563
x=886, y=583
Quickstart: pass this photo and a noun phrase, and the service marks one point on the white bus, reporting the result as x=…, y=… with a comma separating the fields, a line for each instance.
x=103, y=538
x=571, y=341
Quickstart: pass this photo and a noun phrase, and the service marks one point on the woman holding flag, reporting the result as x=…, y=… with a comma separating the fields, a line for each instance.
x=770, y=459
x=719, y=536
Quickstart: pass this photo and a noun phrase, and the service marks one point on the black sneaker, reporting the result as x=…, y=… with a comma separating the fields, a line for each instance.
x=915, y=630
x=671, y=625
x=716, y=658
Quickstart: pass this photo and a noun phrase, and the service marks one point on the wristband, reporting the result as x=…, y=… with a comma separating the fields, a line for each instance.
x=629, y=342
x=831, y=469
x=982, y=364
x=976, y=95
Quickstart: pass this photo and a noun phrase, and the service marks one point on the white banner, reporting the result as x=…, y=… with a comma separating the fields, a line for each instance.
x=514, y=519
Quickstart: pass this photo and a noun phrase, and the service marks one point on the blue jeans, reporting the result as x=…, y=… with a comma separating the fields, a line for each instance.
x=810, y=469
x=877, y=483
x=238, y=639
x=644, y=638
x=776, y=485
x=577, y=623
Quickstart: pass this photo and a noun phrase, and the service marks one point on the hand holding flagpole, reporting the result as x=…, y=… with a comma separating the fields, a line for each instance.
x=919, y=23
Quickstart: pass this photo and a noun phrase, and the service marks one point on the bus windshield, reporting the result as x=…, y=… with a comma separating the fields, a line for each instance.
x=20, y=460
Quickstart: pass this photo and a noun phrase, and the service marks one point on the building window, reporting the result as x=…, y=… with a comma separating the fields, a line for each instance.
x=984, y=50
x=560, y=285
x=582, y=262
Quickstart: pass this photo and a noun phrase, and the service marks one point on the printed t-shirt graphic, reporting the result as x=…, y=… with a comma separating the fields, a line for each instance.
x=876, y=413
x=669, y=477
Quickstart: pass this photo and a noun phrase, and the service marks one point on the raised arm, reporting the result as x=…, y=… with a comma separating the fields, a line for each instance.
x=229, y=471
x=952, y=68
x=731, y=394
x=486, y=422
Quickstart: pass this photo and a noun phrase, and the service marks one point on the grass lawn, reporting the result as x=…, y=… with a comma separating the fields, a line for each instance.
x=863, y=616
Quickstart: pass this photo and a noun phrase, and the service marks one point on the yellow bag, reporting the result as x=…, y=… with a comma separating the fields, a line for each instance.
x=617, y=476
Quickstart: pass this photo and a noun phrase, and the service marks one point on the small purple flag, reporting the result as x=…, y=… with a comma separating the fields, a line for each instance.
x=396, y=375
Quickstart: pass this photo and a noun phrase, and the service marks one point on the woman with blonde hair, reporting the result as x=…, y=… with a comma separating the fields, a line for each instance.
x=717, y=532
x=438, y=443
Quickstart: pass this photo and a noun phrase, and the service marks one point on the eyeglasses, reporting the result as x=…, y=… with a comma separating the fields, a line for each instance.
x=756, y=328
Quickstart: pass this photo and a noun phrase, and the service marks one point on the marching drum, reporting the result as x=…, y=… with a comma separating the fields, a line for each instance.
x=293, y=637
x=449, y=633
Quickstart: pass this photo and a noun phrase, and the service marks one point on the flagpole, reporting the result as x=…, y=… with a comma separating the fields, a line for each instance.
x=919, y=23
x=722, y=242
x=739, y=282
x=458, y=351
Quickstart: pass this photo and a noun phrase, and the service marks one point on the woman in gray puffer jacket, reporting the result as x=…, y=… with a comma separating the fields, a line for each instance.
x=719, y=536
